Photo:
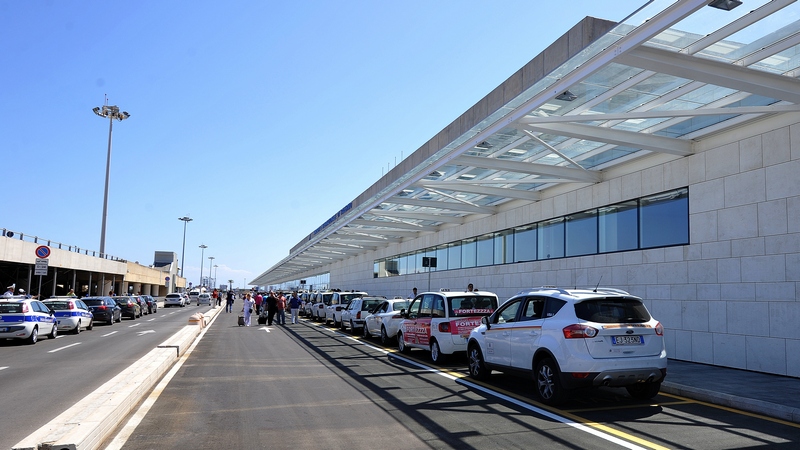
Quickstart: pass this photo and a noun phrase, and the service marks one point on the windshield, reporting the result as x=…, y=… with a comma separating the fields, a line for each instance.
x=345, y=298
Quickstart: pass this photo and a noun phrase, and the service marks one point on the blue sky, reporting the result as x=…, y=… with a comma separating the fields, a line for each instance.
x=258, y=119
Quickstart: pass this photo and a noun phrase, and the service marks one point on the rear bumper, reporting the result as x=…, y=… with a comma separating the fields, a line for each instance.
x=613, y=378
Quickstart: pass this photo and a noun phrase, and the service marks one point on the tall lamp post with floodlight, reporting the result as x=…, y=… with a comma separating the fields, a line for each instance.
x=210, y=264
x=185, y=220
x=203, y=248
x=110, y=113
x=215, y=276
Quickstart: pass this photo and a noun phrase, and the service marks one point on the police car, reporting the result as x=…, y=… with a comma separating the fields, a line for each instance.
x=26, y=319
x=441, y=321
x=72, y=314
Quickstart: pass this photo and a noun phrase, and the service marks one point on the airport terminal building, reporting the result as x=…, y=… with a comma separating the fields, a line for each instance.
x=659, y=155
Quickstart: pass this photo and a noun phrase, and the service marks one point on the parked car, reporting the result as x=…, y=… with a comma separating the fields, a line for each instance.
x=71, y=313
x=152, y=304
x=104, y=309
x=440, y=322
x=305, y=309
x=174, y=299
x=339, y=301
x=385, y=320
x=142, y=304
x=26, y=319
x=357, y=311
x=193, y=297
x=572, y=338
x=204, y=298
x=129, y=306
x=320, y=302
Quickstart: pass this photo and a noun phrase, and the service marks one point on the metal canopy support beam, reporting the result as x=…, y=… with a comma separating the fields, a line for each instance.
x=391, y=225
x=376, y=232
x=483, y=190
x=448, y=206
x=413, y=215
x=779, y=87
x=566, y=173
x=650, y=142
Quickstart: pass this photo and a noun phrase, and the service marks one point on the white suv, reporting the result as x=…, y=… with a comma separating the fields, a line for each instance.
x=441, y=321
x=572, y=338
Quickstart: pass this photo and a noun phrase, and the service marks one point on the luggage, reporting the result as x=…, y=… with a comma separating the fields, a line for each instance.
x=262, y=319
x=241, y=320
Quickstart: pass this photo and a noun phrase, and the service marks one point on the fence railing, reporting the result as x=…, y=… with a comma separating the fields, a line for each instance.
x=9, y=234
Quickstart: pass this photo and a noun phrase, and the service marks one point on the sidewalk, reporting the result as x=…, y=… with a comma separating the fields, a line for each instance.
x=771, y=395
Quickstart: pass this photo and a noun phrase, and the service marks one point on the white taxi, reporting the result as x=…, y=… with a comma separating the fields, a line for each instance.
x=441, y=321
x=26, y=319
x=71, y=313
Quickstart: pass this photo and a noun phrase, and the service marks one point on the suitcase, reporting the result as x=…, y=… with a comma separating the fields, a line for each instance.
x=262, y=319
x=241, y=320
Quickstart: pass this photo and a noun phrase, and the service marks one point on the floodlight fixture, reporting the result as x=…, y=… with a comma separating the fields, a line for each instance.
x=725, y=5
x=110, y=113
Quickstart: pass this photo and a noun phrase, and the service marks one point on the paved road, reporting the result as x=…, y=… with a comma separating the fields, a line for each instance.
x=307, y=386
x=38, y=382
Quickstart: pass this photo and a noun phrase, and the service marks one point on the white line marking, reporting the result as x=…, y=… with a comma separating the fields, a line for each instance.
x=109, y=334
x=62, y=348
x=134, y=325
x=3, y=368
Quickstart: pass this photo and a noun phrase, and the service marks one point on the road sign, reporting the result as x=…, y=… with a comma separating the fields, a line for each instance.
x=41, y=266
x=166, y=278
x=42, y=251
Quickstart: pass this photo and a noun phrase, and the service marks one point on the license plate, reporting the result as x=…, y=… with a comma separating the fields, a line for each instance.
x=627, y=340
x=3, y=330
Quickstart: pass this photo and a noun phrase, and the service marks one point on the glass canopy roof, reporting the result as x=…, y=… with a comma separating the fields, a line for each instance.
x=671, y=73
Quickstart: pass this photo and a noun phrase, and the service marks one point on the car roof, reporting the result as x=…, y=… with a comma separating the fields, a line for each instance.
x=460, y=293
x=575, y=294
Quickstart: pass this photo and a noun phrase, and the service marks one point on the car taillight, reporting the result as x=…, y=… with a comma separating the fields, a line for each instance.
x=577, y=331
x=102, y=307
x=358, y=315
x=444, y=327
x=71, y=305
x=659, y=329
x=24, y=307
x=397, y=316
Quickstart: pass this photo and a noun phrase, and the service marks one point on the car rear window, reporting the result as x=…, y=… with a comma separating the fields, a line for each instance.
x=473, y=305
x=612, y=310
x=367, y=305
x=10, y=308
x=173, y=295
x=58, y=306
x=93, y=302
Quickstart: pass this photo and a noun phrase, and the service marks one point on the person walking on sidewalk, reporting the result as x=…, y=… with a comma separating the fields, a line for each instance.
x=229, y=302
x=249, y=304
x=294, y=306
x=281, y=309
x=272, y=307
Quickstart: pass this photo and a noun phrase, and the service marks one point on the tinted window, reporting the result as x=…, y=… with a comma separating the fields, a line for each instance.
x=581, y=234
x=11, y=308
x=473, y=305
x=534, y=309
x=664, y=219
x=525, y=243
x=619, y=227
x=508, y=313
x=369, y=304
x=612, y=310
x=58, y=306
x=94, y=302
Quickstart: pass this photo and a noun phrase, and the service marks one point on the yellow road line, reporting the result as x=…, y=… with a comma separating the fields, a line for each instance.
x=734, y=410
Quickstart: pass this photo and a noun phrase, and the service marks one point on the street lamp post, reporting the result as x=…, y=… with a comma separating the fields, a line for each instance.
x=215, y=276
x=210, y=264
x=203, y=248
x=111, y=113
x=185, y=220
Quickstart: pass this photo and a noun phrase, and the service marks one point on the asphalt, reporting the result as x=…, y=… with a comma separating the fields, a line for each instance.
x=770, y=395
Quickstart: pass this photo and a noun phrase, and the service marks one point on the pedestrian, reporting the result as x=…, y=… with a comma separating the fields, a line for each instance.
x=71, y=293
x=9, y=292
x=259, y=299
x=414, y=293
x=249, y=303
x=294, y=306
x=272, y=307
x=229, y=302
x=281, y=309
x=470, y=288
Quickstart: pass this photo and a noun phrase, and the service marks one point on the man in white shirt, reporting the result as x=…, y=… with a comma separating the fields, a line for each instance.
x=9, y=292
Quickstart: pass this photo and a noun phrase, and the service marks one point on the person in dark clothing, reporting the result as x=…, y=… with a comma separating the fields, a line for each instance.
x=272, y=307
x=229, y=302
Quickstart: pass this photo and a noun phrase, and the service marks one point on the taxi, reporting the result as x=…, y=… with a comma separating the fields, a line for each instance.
x=440, y=322
x=71, y=313
x=26, y=319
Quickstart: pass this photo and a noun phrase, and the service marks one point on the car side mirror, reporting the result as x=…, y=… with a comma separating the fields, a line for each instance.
x=404, y=313
x=485, y=321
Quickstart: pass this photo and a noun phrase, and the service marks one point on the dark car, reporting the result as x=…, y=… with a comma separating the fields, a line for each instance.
x=130, y=307
x=104, y=309
x=142, y=304
x=152, y=304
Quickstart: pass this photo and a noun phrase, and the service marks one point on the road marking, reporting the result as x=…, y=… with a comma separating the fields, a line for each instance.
x=62, y=348
x=134, y=325
x=109, y=334
x=265, y=329
x=4, y=368
x=150, y=320
x=142, y=333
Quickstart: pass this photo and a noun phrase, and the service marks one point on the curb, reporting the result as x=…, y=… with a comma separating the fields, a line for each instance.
x=769, y=409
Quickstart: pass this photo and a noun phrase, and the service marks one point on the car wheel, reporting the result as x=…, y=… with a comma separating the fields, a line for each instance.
x=119, y=318
x=401, y=345
x=77, y=329
x=365, y=332
x=91, y=325
x=644, y=391
x=385, y=340
x=53, y=333
x=436, y=353
x=548, y=383
x=133, y=317
x=477, y=366
x=33, y=337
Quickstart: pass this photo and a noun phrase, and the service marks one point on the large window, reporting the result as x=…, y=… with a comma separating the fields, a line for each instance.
x=619, y=227
x=525, y=243
x=664, y=219
x=551, y=239
x=654, y=221
x=581, y=233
